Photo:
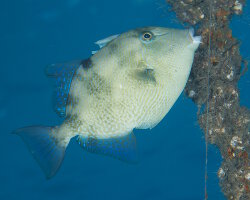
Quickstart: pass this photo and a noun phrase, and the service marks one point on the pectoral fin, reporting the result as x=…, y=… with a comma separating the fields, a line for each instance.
x=145, y=72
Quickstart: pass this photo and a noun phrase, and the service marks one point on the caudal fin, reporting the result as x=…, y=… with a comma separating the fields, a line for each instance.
x=44, y=147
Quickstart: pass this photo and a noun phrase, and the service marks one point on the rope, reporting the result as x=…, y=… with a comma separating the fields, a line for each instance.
x=208, y=89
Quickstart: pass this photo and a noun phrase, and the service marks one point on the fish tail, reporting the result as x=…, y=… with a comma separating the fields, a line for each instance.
x=46, y=148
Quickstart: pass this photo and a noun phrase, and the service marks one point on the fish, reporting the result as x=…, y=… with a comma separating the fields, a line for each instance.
x=130, y=83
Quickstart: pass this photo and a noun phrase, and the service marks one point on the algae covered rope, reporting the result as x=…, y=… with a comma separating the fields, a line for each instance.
x=208, y=91
x=228, y=122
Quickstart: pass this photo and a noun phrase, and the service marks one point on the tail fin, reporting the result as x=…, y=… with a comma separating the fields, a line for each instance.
x=44, y=147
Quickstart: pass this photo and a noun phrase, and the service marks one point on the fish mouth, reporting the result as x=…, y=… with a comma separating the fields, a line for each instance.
x=194, y=39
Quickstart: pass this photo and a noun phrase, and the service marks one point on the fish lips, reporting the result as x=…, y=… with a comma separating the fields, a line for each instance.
x=194, y=39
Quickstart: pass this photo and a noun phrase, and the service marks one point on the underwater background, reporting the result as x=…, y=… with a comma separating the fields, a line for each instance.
x=172, y=155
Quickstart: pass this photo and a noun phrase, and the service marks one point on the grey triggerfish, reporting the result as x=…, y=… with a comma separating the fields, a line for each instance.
x=130, y=83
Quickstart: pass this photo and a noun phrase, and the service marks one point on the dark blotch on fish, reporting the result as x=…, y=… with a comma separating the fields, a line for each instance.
x=73, y=121
x=146, y=75
x=71, y=117
x=97, y=86
x=79, y=77
x=113, y=48
x=73, y=101
x=86, y=64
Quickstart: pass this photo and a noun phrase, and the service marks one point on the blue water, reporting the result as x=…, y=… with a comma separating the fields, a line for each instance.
x=172, y=155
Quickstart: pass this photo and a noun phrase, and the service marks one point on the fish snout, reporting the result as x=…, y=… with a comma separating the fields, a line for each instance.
x=194, y=39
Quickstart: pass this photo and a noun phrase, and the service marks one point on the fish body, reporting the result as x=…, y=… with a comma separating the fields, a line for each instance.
x=130, y=83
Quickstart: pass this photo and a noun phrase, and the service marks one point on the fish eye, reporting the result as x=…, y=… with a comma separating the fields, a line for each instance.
x=147, y=36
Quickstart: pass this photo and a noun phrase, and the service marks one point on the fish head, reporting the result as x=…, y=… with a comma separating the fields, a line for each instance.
x=157, y=53
x=152, y=65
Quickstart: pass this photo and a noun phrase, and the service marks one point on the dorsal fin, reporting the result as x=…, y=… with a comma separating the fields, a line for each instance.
x=103, y=42
x=62, y=75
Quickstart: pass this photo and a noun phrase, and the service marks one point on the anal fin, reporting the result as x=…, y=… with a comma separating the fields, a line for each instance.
x=122, y=148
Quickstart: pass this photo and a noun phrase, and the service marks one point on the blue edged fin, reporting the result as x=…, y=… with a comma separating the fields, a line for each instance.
x=44, y=148
x=63, y=75
x=122, y=148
